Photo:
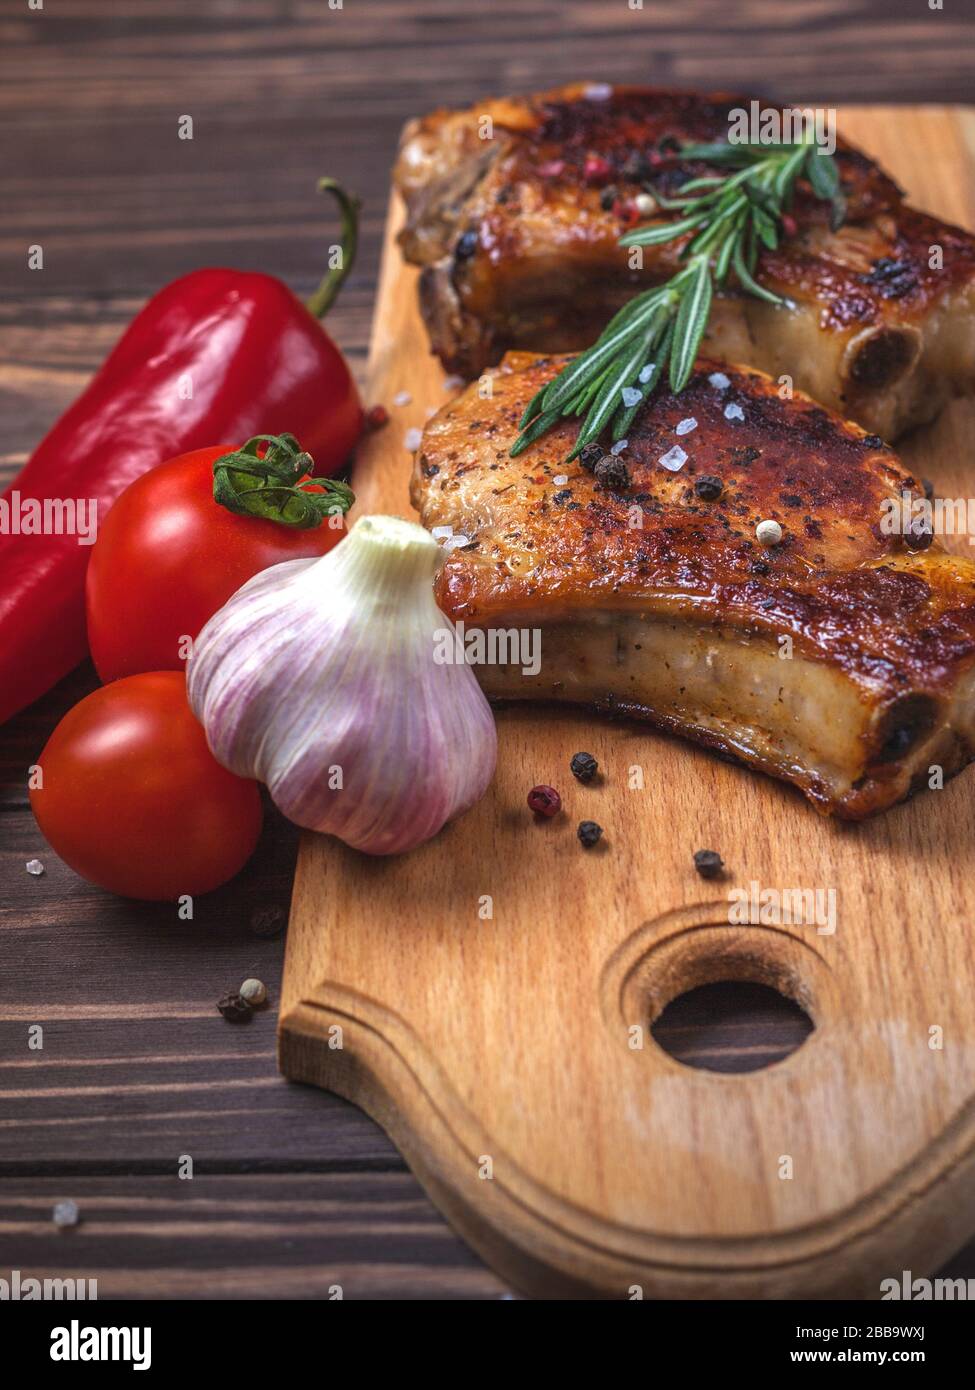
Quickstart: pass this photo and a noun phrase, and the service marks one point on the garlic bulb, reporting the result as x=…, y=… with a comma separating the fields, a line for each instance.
x=320, y=678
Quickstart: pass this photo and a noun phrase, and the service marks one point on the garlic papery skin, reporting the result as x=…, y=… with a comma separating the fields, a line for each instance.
x=319, y=678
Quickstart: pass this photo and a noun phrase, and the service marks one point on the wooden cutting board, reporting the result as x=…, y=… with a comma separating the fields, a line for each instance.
x=500, y=1053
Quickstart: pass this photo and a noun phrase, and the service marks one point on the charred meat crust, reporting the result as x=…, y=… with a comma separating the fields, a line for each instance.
x=896, y=627
x=519, y=248
x=837, y=583
x=535, y=150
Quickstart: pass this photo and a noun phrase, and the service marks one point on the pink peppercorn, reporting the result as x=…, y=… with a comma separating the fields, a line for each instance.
x=596, y=169
x=544, y=801
x=628, y=213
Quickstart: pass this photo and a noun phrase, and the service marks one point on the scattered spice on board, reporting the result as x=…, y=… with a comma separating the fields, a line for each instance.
x=708, y=863
x=583, y=767
x=589, y=833
x=544, y=801
x=234, y=1008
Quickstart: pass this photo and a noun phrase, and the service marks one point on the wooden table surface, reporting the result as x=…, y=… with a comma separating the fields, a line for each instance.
x=293, y=1191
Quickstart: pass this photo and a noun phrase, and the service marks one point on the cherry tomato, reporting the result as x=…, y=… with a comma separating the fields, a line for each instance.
x=168, y=556
x=133, y=799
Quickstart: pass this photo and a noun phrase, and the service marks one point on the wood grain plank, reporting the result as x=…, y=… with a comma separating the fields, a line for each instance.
x=137, y=1064
x=260, y=1236
x=390, y=51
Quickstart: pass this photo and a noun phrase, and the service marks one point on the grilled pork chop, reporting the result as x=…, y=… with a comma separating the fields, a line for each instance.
x=838, y=659
x=518, y=233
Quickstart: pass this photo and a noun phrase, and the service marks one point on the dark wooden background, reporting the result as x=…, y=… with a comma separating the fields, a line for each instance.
x=294, y=1190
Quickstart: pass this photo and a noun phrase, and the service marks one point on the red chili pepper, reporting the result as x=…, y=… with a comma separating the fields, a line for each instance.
x=216, y=355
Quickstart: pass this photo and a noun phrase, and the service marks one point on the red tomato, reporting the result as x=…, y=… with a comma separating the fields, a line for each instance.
x=168, y=556
x=133, y=799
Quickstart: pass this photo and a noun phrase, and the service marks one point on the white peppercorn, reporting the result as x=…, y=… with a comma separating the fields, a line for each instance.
x=255, y=992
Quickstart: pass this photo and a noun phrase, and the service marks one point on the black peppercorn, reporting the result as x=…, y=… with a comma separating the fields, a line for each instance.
x=589, y=833
x=234, y=1008
x=708, y=863
x=872, y=441
x=612, y=472
x=636, y=167
x=583, y=766
x=544, y=801
x=466, y=246
x=590, y=455
x=607, y=198
x=708, y=487
x=919, y=534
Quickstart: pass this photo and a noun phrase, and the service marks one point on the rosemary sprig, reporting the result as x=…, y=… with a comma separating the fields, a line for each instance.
x=731, y=216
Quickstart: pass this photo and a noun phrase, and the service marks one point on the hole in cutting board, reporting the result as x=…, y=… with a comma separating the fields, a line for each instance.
x=731, y=1026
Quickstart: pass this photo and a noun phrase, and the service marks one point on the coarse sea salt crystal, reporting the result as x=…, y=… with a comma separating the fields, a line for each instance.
x=631, y=396
x=685, y=426
x=719, y=381
x=674, y=459
x=597, y=91
x=34, y=866
x=440, y=531
x=453, y=542
x=453, y=383
x=560, y=479
x=733, y=412
x=431, y=411
x=619, y=446
x=647, y=372
x=65, y=1214
x=411, y=440
x=402, y=398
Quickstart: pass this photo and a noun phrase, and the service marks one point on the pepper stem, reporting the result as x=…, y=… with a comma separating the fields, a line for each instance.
x=323, y=298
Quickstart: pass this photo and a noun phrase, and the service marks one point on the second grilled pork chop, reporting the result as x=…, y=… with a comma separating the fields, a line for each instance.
x=518, y=236
x=838, y=660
